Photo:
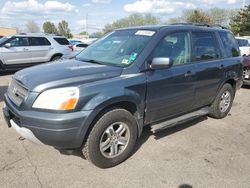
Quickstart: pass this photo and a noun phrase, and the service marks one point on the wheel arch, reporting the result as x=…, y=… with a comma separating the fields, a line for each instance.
x=55, y=55
x=128, y=105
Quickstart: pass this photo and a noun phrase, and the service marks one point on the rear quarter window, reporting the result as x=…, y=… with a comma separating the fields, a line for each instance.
x=61, y=41
x=230, y=44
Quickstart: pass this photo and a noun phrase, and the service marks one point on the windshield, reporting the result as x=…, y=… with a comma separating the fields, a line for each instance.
x=120, y=48
x=2, y=40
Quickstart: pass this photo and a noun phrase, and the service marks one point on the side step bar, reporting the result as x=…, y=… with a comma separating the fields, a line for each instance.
x=181, y=119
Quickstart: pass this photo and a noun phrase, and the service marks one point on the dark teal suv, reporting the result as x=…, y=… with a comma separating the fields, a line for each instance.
x=100, y=101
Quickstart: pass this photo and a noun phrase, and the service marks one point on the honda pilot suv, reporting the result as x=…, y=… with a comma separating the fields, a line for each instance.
x=28, y=49
x=100, y=101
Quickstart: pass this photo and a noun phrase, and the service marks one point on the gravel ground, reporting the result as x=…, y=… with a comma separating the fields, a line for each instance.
x=202, y=153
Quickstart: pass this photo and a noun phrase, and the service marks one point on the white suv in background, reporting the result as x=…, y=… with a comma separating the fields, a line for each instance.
x=244, y=46
x=24, y=50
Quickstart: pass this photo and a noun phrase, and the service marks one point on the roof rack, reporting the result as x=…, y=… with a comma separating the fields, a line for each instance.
x=201, y=24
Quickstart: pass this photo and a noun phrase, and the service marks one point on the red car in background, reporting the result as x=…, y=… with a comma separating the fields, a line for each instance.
x=246, y=65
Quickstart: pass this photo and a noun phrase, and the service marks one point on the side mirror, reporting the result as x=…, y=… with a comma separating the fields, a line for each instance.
x=161, y=63
x=7, y=45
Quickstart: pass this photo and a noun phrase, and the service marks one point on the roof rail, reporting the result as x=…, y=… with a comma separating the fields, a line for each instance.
x=47, y=34
x=201, y=24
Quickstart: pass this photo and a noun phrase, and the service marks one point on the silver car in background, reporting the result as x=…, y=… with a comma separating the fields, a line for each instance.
x=24, y=50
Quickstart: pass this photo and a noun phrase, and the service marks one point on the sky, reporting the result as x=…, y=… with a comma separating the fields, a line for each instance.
x=94, y=14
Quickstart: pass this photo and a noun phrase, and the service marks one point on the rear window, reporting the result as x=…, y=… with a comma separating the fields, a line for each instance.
x=230, y=44
x=62, y=41
x=39, y=41
x=205, y=46
x=242, y=42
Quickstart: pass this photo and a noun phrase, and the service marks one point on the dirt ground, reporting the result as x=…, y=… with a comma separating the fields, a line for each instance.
x=202, y=153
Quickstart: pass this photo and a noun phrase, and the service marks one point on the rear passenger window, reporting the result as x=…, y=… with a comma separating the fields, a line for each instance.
x=39, y=41
x=205, y=46
x=62, y=41
x=176, y=47
x=230, y=44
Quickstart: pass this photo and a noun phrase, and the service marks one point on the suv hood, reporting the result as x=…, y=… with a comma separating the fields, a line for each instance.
x=64, y=73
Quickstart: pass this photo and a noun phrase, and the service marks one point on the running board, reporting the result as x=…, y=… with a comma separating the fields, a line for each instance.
x=181, y=119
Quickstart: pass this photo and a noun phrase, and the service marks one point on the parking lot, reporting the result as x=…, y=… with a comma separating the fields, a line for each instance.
x=202, y=153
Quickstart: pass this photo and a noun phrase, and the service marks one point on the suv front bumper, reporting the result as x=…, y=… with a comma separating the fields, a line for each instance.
x=60, y=130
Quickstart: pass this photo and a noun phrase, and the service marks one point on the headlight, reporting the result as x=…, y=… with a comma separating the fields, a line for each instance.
x=58, y=99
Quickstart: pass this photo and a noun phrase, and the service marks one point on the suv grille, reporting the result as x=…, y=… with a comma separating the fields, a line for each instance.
x=17, y=92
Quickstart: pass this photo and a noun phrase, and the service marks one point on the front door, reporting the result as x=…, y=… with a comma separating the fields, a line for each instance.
x=18, y=53
x=171, y=91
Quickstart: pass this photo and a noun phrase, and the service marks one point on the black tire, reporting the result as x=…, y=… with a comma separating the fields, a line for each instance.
x=92, y=148
x=216, y=111
x=55, y=58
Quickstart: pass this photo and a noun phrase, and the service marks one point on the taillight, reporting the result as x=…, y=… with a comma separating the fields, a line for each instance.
x=71, y=47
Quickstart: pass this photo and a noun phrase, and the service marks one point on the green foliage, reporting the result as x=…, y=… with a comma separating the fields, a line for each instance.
x=49, y=27
x=63, y=29
x=198, y=16
x=240, y=24
x=132, y=20
x=84, y=33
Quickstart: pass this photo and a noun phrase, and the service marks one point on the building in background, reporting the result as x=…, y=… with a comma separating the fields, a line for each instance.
x=7, y=31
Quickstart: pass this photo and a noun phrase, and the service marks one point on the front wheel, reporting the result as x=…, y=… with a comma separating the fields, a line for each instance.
x=223, y=102
x=112, y=139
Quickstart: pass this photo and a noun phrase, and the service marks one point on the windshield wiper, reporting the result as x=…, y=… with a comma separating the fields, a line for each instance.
x=92, y=61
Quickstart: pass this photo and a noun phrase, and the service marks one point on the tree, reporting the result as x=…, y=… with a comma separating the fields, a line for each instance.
x=84, y=33
x=49, y=27
x=63, y=29
x=240, y=24
x=197, y=16
x=132, y=20
x=221, y=16
x=96, y=35
x=32, y=27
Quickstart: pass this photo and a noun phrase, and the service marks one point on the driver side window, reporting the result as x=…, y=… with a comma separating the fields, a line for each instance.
x=175, y=46
x=19, y=41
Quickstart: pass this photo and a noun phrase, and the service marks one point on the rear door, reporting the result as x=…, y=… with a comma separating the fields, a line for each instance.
x=39, y=49
x=18, y=53
x=207, y=57
x=171, y=91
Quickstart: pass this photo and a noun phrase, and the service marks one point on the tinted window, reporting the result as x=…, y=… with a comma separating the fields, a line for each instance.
x=242, y=42
x=230, y=44
x=19, y=41
x=62, y=41
x=174, y=46
x=205, y=46
x=39, y=41
x=82, y=45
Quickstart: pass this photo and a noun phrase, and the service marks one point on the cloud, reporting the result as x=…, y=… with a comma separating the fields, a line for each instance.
x=213, y=2
x=157, y=6
x=34, y=6
x=101, y=1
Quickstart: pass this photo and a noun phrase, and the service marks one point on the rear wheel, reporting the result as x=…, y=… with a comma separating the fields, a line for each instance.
x=223, y=102
x=112, y=139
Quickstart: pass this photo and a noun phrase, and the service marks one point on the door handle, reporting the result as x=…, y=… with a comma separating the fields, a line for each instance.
x=189, y=73
x=221, y=66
